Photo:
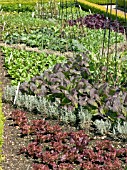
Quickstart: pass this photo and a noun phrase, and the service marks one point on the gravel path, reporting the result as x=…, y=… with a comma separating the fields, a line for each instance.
x=114, y=7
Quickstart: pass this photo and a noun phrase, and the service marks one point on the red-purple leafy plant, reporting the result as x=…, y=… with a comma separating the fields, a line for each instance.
x=40, y=167
x=58, y=146
x=33, y=150
x=97, y=21
x=71, y=156
x=49, y=157
x=74, y=85
x=53, y=129
x=43, y=138
x=25, y=129
x=79, y=139
x=56, y=149
x=19, y=117
x=39, y=125
x=65, y=166
x=61, y=136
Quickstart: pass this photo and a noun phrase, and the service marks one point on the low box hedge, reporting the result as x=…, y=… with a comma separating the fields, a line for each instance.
x=28, y=5
x=17, y=7
x=95, y=8
x=25, y=1
x=102, y=2
x=17, y=1
x=122, y=3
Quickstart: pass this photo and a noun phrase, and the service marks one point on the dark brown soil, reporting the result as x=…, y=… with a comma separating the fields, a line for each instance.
x=12, y=143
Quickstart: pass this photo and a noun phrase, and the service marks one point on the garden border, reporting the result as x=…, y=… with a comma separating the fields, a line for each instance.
x=101, y=9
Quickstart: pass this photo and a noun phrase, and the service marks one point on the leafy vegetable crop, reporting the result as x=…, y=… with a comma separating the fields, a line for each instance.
x=54, y=34
x=72, y=86
x=97, y=21
x=26, y=21
x=52, y=148
x=68, y=39
x=23, y=65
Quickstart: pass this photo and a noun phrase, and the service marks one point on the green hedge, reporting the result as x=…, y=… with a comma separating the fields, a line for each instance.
x=102, y=1
x=13, y=5
x=18, y=1
x=122, y=3
x=24, y=5
x=25, y=1
x=95, y=8
x=18, y=8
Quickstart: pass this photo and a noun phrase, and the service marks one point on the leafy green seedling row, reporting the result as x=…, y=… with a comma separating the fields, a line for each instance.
x=25, y=22
x=23, y=65
x=67, y=39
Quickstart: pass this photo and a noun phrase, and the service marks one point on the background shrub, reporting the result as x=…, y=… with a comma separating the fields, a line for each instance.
x=95, y=8
x=18, y=8
x=102, y=1
x=122, y=3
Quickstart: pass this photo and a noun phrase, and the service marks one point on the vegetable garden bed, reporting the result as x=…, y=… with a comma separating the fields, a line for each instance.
x=66, y=99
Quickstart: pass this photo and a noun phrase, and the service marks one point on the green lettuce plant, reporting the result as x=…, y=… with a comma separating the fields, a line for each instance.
x=23, y=65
